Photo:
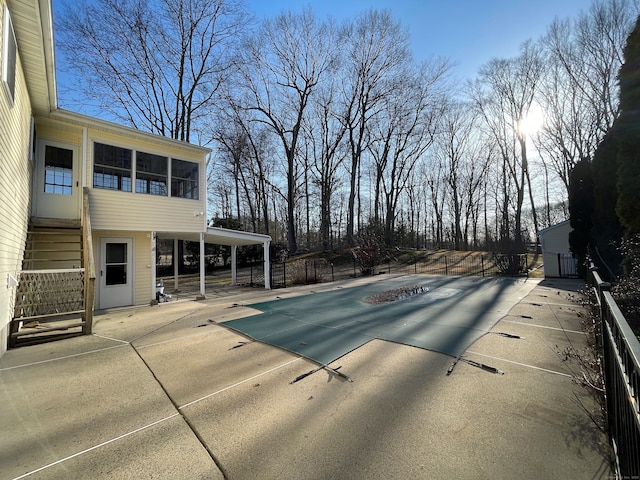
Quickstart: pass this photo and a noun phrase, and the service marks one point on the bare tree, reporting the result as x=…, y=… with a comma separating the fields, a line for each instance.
x=245, y=151
x=377, y=50
x=457, y=148
x=283, y=64
x=504, y=94
x=155, y=65
x=325, y=131
x=402, y=132
x=433, y=172
x=579, y=91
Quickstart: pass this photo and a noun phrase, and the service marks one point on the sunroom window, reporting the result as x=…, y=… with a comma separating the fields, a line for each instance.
x=184, y=179
x=111, y=167
x=151, y=174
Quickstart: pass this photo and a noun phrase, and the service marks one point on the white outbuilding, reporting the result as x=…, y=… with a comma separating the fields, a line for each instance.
x=556, y=255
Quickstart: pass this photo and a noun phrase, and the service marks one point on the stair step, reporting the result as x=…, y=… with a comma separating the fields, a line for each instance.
x=32, y=252
x=48, y=315
x=56, y=231
x=55, y=222
x=35, y=330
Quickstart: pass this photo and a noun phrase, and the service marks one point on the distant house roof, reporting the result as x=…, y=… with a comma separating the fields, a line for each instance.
x=553, y=227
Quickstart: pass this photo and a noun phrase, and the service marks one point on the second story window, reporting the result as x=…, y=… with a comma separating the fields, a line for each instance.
x=128, y=170
x=111, y=167
x=184, y=179
x=151, y=174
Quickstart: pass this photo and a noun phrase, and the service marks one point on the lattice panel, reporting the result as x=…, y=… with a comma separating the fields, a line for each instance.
x=49, y=292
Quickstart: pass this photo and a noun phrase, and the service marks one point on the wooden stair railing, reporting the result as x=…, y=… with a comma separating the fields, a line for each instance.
x=88, y=264
x=58, y=281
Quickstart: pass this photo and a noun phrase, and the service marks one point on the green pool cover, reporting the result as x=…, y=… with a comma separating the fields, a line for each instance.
x=448, y=316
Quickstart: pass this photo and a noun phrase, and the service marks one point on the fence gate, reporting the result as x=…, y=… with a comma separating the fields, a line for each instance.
x=278, y=275
x=567, y=265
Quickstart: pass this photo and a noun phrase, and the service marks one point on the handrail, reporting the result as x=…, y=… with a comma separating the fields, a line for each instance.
x=621, y=361
x=88, y=263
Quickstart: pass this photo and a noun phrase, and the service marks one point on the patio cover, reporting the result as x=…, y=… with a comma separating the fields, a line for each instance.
x=219, y=236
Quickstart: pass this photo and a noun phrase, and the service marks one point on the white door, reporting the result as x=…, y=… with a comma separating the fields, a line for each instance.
x=57, y=180
x=116, y=272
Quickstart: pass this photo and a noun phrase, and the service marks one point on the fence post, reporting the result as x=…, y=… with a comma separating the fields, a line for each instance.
x=332, y=277
x=482, y=261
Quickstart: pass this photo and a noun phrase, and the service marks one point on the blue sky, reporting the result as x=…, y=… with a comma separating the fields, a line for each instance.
x=469, y=32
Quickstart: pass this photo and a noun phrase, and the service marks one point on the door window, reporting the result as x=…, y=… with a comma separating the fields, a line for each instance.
x=116, y=263
x=58, y=170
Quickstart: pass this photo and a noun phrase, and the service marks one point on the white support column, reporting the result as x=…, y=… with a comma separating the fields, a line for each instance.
x=267, y=265
x=234, y=270
x=202, y=265
x=153, y=265
x=176, y=264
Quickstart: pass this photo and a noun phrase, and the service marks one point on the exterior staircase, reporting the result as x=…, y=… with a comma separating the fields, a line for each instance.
x=52, y=247
x=55, y=292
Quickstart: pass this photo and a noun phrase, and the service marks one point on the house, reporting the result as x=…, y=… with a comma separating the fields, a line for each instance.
x=84, y=201
x=556, y=255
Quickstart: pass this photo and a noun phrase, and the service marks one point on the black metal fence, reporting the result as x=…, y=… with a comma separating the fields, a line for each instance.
x=472, y=264
x=484, y=265
x=305, y=272
x=621, y=358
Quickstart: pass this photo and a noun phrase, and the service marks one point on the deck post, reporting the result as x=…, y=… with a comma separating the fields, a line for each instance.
x=154, y=281
x=234, y=266
x=176, y=264
x=267, y=265
x=202, y=265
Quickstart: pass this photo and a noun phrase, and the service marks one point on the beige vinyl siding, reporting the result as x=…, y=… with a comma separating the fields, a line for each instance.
x=130, y=211
x=137, y=211
x=15, y=182
x=57, y=132
x=142, y=291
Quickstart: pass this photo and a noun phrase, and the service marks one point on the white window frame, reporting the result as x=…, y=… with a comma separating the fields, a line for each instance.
x=151, y=178
x=130, y=170
x=178, y=183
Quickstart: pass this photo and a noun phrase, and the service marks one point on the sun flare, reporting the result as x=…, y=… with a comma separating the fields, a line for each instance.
x=533, y=120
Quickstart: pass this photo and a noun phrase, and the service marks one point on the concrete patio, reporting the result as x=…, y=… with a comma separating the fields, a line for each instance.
x=161, y=392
